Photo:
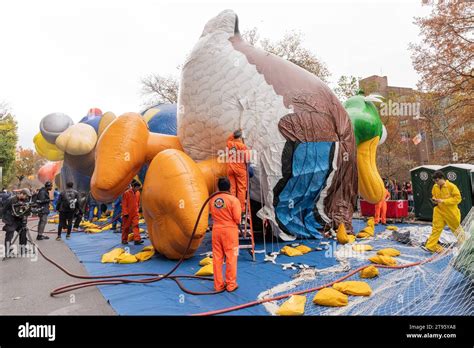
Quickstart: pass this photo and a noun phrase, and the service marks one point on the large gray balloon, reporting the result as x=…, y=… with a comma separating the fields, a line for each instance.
x=83, y=164
x=54, y=124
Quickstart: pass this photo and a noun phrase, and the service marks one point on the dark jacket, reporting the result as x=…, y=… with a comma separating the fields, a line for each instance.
x=4, y=196
x=8, y=217
x=3, y=200
x=43, y=200
x=68, y=201
x=82, y=202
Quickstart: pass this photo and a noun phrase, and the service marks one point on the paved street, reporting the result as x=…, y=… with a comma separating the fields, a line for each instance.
x=25, y=283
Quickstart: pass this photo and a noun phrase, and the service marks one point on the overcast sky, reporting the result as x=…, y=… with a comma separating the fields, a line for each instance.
x=69, y=56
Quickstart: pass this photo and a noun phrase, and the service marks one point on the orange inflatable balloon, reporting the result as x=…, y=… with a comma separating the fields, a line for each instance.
x=211, y=170
x=159, y=142
x=173, y=194
x=120, y=153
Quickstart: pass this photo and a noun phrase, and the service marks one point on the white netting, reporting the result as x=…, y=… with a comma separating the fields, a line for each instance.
x=442, y=286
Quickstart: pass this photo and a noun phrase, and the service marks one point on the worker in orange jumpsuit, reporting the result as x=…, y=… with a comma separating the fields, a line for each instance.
x=130, y=214
x=226, y=213
x=381, y=209
x=238, y=157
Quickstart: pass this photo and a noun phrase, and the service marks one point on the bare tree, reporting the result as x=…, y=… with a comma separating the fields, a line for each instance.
x=251, y=36
x=160, y=89
x=455, y=129
x=444, y=58
x=4, y=108
x=290, y=47
x=347, y=86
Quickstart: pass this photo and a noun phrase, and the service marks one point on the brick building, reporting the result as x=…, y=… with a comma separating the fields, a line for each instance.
x=403, y=101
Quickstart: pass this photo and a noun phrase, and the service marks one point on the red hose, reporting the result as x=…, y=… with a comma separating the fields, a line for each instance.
x=276, y=298
x=119, y=278
x=154, y=277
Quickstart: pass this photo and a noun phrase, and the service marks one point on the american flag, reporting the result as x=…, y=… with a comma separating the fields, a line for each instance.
x=417, y=139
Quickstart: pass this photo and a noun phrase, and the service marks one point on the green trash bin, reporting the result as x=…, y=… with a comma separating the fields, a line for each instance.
x=422, y=184
x=460, y=175
x=472, y=181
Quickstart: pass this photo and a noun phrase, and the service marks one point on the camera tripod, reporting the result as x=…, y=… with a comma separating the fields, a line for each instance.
x=15, y=238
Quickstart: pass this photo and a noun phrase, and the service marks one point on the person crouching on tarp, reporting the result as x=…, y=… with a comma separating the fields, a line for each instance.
x=130, y=213
x=226, y=212
x=238, y=157
x=446, y=197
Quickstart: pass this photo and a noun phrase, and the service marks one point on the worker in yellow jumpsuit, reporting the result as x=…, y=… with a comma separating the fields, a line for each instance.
x=446, y=197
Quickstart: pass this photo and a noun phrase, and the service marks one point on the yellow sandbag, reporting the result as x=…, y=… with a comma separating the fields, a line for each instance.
x=145, y=254
x=102, y=219
x=126, y=258
x=148, y=247
x=330, y=297
x=363, y=234
x=383, y=260
x=369, y=272
x=388, y=252
x=392, y=228
x=367, y=231
x=205, y=261
x=91, y=226
x=141, y=221
x=352, y=238
x=371, y=221
x=303, y=248
x=206, y=270
x=93, y=230
x=341, y=234
x=293, y=306
x=354, y=288
x=86, y=223
x=362, y=247
x=130, y=237
x=289, y=251
x=141, y=230
x=112, y=255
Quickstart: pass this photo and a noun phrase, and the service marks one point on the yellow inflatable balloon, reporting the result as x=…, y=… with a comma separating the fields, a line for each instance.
x=105, y=120
x=46, y=149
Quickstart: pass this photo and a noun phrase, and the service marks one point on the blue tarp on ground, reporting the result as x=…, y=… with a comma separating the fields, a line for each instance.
x=165, y=298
